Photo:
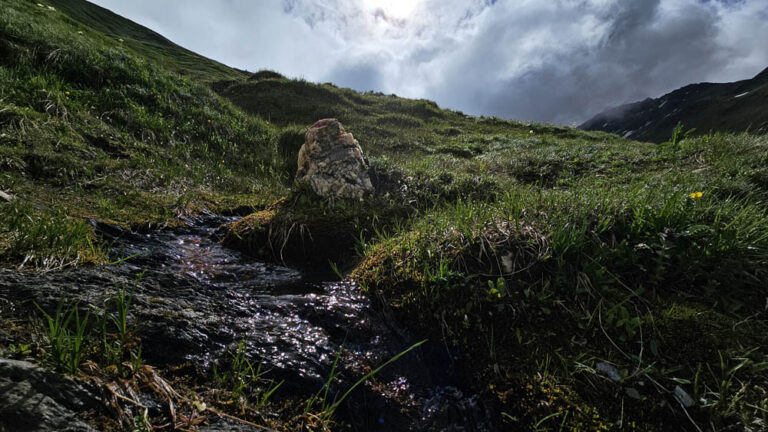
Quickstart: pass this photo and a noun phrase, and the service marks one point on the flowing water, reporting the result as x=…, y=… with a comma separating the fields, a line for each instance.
x=195, y=299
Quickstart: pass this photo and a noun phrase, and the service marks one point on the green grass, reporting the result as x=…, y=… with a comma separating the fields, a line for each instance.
x=324, y=403
x=243, y=382
x=90, y=129
x=589, y=240
x=47, y=239
x=66, y=338
x=591, y=257
x=70, y=340
x=119, y=347
x=386, y=125
x=140, y=40
x=537, y=252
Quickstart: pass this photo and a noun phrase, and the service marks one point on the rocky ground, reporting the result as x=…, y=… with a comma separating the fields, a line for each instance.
x=192, y=300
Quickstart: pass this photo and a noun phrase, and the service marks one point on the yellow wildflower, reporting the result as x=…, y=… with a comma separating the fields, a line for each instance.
x=696, y=195
x=66, y=93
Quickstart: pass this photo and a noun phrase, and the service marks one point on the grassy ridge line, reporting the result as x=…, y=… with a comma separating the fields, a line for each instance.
x=384, y=124
x=145, y=42
x=88, y=129
x=417, y=137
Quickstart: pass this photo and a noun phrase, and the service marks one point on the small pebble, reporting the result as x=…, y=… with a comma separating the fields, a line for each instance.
x=609, y=370
x=684, y=398
x=633, y=393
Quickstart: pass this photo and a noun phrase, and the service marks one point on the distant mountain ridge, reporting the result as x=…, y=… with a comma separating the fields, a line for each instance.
x=734, y=107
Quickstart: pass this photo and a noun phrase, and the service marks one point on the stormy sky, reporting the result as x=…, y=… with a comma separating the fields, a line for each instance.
x=558, y=61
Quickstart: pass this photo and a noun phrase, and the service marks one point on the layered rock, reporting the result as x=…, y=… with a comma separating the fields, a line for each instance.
x=33, y=399
x=331, y=162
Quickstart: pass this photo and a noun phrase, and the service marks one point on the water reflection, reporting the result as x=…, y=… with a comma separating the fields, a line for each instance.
x=293, y=323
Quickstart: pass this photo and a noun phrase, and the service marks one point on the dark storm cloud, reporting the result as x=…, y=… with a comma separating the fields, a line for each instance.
x=598, y=54
x=643, y=51
x=557, y=61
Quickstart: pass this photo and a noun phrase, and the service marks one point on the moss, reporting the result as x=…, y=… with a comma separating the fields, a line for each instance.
x=541, y=403
x=308, y=231
x=387, y=268
x=251, y=233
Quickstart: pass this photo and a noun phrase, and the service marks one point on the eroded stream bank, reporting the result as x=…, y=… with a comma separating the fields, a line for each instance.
x=196, y=300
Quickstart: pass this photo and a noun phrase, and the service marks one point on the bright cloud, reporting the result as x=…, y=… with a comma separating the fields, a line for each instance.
x=556, y=61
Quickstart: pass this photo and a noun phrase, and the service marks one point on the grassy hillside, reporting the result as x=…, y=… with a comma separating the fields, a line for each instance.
x=143, y=41
x=90, y=129
x=579, y=278
x=704, y=108
x=546, y=254
x=405, y=132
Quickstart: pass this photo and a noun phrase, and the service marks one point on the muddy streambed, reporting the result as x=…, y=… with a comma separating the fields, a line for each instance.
x=196, y=300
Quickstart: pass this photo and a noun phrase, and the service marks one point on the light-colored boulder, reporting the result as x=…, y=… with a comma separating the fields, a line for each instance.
x=331, y=162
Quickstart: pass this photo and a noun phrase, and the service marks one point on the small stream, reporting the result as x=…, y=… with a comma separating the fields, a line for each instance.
x=196, y=300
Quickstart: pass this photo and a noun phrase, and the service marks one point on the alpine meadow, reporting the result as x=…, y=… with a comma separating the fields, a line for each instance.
x=164, y=267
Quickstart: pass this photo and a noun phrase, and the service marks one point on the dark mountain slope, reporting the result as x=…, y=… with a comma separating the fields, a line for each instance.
x=734, y=107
